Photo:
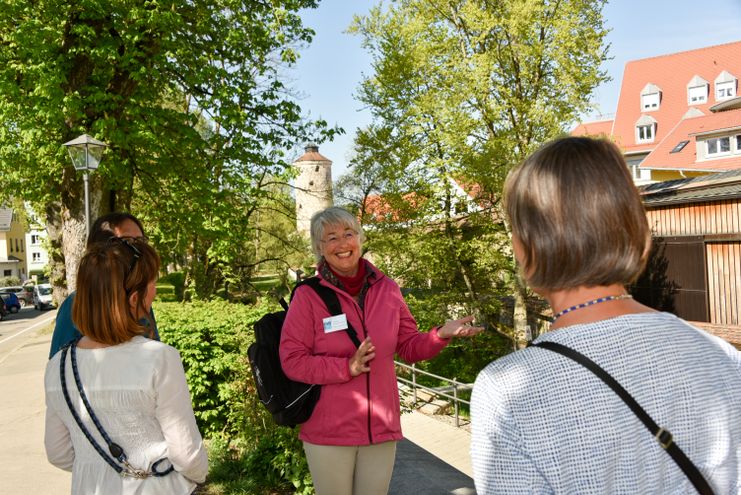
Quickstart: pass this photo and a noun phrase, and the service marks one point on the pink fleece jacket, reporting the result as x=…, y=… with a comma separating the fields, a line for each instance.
x=353, y=410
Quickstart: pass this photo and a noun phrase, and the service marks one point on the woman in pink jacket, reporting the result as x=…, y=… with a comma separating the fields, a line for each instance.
x=350, y=439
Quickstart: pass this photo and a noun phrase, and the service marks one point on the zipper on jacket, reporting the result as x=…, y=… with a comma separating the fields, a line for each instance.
x=367, y=380
x=361, y=314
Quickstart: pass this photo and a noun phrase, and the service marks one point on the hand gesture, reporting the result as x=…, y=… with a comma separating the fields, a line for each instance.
x=458, y=328
x=364, y=354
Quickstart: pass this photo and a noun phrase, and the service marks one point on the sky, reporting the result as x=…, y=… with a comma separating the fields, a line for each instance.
x=328, y=74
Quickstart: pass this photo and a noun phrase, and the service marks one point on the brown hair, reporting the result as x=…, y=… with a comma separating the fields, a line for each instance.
x=109, y=273
x=579, y=217
x=104, y=226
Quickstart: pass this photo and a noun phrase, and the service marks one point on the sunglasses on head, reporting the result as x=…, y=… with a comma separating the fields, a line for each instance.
x=129, y=242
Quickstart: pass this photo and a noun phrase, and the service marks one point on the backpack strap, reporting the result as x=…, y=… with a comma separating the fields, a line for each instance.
x=662, y=435
x=332, y=302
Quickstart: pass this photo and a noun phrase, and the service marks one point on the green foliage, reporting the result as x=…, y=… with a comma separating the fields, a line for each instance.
x=462, y=359
x=248, y=454
x=212, y=338
x=190, y=100
x=176, y=280
x=461, y=92
x=9, y=281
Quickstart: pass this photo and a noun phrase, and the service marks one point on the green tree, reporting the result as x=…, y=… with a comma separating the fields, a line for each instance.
x=469, y=89
x=188, y=97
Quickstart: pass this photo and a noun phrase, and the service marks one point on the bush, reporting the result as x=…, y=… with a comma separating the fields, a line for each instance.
x=177, y=281
x=463, y=358
x=9, y=281
x=213, y=338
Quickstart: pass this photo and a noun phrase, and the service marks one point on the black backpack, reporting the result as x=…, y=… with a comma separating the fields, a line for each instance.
x=291, y=403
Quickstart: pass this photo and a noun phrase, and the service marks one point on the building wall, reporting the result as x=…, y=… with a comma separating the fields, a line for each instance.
x=664, y=175
x=36, y=256
x=313, y=191
x=711, y=218
x=12, y=248
x=717, y=225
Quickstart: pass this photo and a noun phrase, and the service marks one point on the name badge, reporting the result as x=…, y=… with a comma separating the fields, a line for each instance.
x=335, y=323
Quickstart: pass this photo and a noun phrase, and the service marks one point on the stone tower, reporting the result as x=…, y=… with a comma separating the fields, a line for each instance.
x=313, y=186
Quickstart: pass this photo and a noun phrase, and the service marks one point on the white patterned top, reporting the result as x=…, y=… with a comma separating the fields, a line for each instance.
x=542, y=423
x=138, y=392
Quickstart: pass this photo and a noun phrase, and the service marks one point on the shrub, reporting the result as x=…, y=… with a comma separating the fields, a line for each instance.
x=177, y=281
x=463, y=358
x=213, y=338
x=9, y=281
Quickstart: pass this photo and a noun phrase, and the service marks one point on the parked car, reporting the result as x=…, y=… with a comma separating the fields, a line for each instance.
x=11, y=301
x=24, y=294
x=42, y=296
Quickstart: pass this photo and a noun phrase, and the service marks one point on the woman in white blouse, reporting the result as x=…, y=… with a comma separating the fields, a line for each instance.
x=148, y=441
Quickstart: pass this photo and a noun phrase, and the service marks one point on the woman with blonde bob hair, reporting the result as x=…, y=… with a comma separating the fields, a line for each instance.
x=543, y=419
x=119, y=414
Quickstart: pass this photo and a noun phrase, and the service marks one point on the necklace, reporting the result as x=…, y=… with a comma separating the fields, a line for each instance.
x=589, y=303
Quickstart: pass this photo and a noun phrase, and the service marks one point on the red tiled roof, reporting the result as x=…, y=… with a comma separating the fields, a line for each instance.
x=380, y=209
x=670, y=73
x=687, y=130
x=597, y=128
x=313, y=156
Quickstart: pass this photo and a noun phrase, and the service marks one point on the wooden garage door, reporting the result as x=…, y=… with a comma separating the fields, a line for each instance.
x=675, y=278
x=724, y=282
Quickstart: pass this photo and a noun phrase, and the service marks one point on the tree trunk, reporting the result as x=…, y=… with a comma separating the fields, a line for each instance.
x=65, y=226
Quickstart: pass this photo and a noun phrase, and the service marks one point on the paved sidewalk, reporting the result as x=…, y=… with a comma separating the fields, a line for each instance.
x=24, y=469
x=433, y=459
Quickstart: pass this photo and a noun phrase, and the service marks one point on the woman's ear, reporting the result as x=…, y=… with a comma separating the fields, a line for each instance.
x=133, y=301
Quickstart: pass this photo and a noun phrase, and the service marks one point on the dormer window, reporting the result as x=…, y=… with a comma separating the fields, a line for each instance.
x=697, y=91
x=725, y=86
x=650, y=98
x=718, y=146
x=645, y=129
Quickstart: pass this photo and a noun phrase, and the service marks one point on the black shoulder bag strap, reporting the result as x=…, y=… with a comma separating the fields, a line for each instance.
x=663, y=436
x=332, y=302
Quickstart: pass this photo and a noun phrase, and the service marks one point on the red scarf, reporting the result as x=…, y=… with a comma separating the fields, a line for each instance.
x=354, y=284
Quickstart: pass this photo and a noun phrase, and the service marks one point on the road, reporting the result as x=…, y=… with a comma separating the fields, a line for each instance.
x=24, y=352
x=16, y=329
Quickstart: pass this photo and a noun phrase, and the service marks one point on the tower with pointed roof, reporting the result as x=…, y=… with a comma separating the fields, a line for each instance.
x=313, y=186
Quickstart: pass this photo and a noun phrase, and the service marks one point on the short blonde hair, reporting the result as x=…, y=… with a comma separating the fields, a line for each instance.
x=579, y=217
x=109, y=272
x=334, y=215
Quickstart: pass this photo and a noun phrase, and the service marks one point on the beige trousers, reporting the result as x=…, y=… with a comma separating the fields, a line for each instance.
x=361, y=470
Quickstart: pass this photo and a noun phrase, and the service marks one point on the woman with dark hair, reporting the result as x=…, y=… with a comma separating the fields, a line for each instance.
x=350, y=438
x=543, y=420
x=116, y=224
x=119, y=413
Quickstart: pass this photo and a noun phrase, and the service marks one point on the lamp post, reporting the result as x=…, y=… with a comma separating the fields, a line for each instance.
x=86, y=152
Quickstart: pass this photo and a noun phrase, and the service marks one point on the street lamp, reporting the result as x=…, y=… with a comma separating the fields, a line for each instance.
x=86, y=152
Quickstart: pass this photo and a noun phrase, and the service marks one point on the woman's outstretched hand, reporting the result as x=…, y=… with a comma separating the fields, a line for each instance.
x=364, y=354
x=458, y=328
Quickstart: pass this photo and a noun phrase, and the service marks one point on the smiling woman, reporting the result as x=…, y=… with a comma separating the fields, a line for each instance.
x=350, y=439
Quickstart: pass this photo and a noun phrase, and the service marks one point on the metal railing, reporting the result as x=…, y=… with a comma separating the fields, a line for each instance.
x=455, y=387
